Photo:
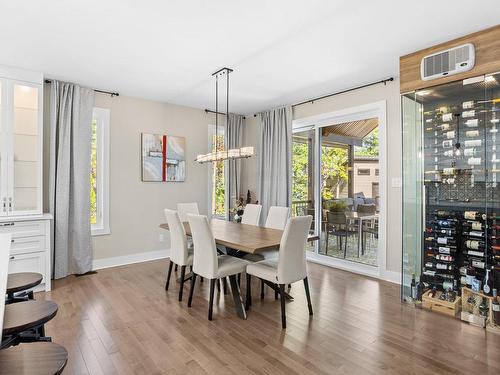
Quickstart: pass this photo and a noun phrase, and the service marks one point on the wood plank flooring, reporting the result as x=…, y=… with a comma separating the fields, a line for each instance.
x=121, y=321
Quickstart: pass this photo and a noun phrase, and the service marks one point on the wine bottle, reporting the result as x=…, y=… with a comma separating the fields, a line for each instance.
x=471, y=275
x=413, y=287
x=487, y=282
x=468, y=105
x=447, y=117
x=472, y=123
x=478, y=263
x=483, y=308
x=474, y=253
x=472, y=133
x=446, y=240
x=449, y=171
x=448, y=144
x=495, y=307
x=445, y=214
x=474, y=233
x=450, y=134
x=470, y=152
x=474, y=215
x=472, y=225
x=446, y=258
x=467, y=114
x=475, y=245
x=469, y=143
x=445, y=223
x=474, y=161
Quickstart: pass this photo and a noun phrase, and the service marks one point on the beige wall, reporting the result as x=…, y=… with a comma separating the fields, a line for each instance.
x=390, y=93
x=136, y=207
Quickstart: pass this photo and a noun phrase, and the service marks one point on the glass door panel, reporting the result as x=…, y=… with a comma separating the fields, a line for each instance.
x=26, y=183
x=3, y=150
x=303, y=199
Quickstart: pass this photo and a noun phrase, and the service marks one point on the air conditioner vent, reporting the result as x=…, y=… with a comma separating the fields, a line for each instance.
x=452, y=61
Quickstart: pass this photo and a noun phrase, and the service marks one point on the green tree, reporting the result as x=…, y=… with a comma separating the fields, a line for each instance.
x=369, y=146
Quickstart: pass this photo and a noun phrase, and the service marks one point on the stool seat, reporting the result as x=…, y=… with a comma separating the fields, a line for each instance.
x=41, y=358
x=19, y=317
x=18, y=282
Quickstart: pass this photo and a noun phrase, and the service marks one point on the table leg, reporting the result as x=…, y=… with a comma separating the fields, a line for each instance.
x=238, y=303
x=277, y=289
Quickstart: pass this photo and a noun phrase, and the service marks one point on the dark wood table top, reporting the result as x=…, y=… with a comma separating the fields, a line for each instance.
x=40, y=358
x=17, y=282
x=21, y=316
x=248, y=238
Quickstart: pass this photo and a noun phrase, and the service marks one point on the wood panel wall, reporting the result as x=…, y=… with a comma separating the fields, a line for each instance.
x=487, y=47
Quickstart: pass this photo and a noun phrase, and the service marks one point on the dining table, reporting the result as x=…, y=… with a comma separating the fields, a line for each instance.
x=250, y=239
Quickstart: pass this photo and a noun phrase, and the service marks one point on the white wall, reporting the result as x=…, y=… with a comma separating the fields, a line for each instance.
x=390, y=93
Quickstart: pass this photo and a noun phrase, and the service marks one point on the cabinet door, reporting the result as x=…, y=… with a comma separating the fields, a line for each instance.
x=4, y=144
x=25, y=165
x=34, y=262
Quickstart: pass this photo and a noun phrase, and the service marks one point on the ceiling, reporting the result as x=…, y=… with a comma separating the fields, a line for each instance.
x=282, y=51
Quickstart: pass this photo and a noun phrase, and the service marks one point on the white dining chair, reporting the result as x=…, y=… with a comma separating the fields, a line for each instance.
x=251, y=215
x=187, y=208
x=276, y=219
x=180, y=254
x=291, y=265
x=207, y=264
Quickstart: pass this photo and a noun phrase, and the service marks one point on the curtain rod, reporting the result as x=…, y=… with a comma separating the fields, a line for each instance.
x=384, y=81
x=219, y=113
x=95, y=90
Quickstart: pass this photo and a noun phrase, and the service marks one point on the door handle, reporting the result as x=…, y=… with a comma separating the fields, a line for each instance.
x=10, y=204
x=4, y=204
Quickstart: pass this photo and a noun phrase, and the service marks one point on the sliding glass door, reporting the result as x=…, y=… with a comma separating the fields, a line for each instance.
x=336, y=180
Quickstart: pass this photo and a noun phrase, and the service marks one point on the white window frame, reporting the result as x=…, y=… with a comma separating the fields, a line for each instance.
x=102, y=117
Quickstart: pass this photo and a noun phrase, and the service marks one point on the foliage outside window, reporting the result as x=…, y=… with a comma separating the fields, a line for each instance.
x=218, y=180
x=93, y=174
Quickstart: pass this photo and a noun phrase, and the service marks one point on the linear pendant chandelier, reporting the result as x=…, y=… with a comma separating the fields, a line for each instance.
x=231, y=154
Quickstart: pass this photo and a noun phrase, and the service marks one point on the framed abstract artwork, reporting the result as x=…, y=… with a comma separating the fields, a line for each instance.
x=163, y=158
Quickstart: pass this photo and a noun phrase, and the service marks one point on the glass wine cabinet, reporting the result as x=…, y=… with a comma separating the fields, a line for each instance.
x=451, y=187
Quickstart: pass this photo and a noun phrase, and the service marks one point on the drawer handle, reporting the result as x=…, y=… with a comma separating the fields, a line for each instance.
x=12, y=257
x=7, y=224
x=12, y=241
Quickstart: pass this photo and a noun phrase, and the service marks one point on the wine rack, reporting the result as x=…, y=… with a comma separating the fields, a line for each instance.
x=458, y=172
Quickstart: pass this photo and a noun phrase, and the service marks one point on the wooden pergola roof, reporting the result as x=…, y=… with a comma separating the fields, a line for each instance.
x=353, y=129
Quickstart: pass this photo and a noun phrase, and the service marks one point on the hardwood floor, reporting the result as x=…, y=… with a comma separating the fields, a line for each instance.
x=121, y=321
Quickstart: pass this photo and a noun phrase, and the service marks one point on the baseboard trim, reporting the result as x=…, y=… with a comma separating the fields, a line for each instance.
x=392, y=277
x=123, y=260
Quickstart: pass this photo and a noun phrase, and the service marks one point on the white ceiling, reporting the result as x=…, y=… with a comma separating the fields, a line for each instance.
x=282, y=51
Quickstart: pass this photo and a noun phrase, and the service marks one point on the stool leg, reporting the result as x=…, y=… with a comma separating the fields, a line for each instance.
x=262, y=286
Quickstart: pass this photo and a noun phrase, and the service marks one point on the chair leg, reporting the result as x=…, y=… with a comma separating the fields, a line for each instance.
x=218, y=285
x=211, y=301
x=345, y=247
x=175, y=268
x=306, y=287
x=191, y=290
x=168, y=275
x=248, y=301
x=262, y=286
x=275, y=293
x=326, y=245
x=283, y=316
x=183, y=275
x=224, y=284
x=239, y=279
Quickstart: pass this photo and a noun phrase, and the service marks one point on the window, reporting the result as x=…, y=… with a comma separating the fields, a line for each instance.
x=217, y=180
x=363, y=171
x=376, y=172
x=99, y=173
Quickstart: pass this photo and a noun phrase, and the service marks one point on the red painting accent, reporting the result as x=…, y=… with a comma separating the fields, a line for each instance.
x=164, y=163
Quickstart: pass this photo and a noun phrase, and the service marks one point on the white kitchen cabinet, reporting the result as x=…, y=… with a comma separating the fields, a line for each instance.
x=21, y=142
x=21, y=125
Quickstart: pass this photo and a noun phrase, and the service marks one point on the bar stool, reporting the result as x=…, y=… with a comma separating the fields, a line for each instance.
x=25, y=321
x=35, y=358
x=19, y=285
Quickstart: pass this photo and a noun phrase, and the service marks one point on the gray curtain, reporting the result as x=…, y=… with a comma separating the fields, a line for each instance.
x=275, y=158
x=234, y=139
x=69, y=177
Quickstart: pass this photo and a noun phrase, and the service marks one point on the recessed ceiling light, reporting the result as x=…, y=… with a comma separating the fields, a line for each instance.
x=423, y=92
x=490, y=79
